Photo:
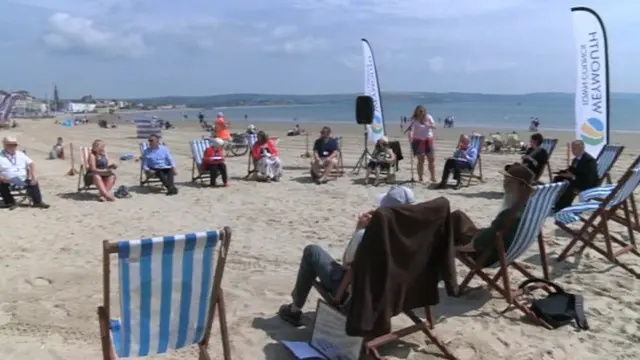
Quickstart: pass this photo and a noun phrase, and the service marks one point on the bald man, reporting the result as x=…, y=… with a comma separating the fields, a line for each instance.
x=582, y=175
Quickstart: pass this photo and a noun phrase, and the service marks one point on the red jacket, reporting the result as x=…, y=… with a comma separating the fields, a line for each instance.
x=213, y=156
x=256, y=152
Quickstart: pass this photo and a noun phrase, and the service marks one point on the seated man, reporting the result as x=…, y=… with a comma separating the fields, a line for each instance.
x=325, y=156
x=535, y=157
x=463, y=159
x=17, y=170
x=582, y=175
x=318, y=263
x=156, y=159
x=469, y=239
x=213, y=162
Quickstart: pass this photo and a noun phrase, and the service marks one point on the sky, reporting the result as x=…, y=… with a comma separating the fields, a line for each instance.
x=145, y=48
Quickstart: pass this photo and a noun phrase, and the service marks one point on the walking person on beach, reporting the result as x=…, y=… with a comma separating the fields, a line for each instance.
x=421, y=137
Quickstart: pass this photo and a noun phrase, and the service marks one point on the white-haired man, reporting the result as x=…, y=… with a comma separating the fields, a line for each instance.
x=17, y=170
x=318, y=263
x=469, y=239
x=463, y=159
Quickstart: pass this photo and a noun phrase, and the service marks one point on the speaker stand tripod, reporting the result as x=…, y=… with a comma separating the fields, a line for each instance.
x=364, y=158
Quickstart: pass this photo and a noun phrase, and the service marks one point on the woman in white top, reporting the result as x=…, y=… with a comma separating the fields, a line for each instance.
x=421, y=136
x=318, y=263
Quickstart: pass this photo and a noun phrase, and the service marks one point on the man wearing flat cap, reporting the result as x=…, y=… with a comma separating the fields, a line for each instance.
x=517, y=184
x=17, y=170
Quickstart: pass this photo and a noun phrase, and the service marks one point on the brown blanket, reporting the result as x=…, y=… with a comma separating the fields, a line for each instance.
x=405, y=252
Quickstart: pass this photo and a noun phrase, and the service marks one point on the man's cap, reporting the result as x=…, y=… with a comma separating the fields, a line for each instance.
x=397, y=195
x=10, y=140
x=519, y=172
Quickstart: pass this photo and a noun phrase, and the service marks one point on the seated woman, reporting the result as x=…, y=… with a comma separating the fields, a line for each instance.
x=265, y=157
x=213, y=162
x=101, y=171
x=381, y=158
x=57, y=152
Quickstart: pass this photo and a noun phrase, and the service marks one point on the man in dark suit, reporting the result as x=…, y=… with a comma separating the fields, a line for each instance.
x=535, y=158
x=582, y=175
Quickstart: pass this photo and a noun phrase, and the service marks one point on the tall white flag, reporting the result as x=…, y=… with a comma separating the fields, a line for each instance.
x=592, y=83
x=372, y=88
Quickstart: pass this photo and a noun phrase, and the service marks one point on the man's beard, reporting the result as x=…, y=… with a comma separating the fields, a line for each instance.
x=509, y=200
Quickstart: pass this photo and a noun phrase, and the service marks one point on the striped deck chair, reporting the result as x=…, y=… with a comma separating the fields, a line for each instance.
x=549, y=145
x=146, y=178
x=600, y=211
x=477, y=142
x=85, y=183
x=251, y=164
x=606, y=159
x=536, y=210
x=198, y=147
x=170, y=288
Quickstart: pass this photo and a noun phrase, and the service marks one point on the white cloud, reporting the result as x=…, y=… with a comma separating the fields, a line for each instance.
x=436, y=64
x=69, y=33
x=488, y=65
x=284, y=31
x=302, y=45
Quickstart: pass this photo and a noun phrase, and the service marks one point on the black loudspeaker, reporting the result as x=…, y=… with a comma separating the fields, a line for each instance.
x=364, y=110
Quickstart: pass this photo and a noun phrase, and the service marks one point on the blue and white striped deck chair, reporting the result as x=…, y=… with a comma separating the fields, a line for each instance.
x=476, y=142
x=535, y=212
x=198, y=147
x=606, y=159
x=549, y=145
x=170, y=288
x=600, y=211
x=146, y=178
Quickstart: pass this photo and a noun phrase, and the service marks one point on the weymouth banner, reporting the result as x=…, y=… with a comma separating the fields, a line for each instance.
x=6, y=107
x=592, y=83
x=372, y=88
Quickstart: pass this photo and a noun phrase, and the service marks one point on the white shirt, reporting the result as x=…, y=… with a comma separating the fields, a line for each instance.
x=14, y=166
x=423, y=131
x=350, y=251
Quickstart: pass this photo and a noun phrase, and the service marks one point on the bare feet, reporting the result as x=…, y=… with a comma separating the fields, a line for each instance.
x=102, y=199
x=111, y=198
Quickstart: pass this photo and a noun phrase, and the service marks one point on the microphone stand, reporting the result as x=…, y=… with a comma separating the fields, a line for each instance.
x=413, y=180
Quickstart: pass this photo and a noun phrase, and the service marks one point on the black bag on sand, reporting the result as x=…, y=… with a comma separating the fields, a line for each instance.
x=558, y=308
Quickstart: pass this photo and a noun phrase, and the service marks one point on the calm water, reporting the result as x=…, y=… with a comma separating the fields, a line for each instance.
x=553, y=114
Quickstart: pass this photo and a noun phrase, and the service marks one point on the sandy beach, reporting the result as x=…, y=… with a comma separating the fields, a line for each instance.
x=52, y=265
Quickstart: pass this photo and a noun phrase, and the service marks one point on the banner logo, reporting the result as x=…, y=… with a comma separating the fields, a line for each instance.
x=377, y=127
x=592, y=131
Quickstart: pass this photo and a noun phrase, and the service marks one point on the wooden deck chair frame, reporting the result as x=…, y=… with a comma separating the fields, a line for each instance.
x=470, y=174
x=216, y=302
x=597, y=224
x=505, y=289
x=84, y=170
x=371, y=345
x=549, y=145
x=609, y=154
x=251, y=164
x=146, y=178
x=196, y=173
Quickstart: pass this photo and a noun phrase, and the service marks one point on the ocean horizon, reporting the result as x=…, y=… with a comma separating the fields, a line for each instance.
x=553, y=113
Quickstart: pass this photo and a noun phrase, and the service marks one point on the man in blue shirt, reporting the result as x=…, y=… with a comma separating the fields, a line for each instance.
x=463, y=159
x=325, y=156
x=157, y=160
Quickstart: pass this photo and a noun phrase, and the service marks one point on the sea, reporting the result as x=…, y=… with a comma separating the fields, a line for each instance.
x=555, y=114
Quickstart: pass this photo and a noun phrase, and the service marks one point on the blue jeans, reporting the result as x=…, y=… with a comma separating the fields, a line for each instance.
x=316, y=263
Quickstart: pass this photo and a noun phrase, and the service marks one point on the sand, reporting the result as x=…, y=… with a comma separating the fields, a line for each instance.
x=51, y=259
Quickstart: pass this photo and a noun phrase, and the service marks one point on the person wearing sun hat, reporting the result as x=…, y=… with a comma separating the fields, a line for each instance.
x=517, y=183
x=213, y=162
x=17, y=170
x=318, y=263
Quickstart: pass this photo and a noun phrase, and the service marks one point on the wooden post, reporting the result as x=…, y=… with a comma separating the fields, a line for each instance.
x=568, y=154
x=306, y=154
x=72, y=171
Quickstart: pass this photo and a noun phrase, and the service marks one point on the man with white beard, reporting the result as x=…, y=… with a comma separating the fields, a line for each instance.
x=469, y=239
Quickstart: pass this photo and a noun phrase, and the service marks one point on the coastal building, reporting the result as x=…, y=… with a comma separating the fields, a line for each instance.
x=79, y=107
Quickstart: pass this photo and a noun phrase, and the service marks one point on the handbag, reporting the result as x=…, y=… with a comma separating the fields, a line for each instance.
x=559, y=308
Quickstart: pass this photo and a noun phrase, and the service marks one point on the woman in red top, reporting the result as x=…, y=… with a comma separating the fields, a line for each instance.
x=213, y=162
x=265, y=158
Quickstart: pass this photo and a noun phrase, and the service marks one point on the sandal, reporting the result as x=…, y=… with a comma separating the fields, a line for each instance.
x=292, y=317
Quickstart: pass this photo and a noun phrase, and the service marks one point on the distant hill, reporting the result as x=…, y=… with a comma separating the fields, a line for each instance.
x=418, y=97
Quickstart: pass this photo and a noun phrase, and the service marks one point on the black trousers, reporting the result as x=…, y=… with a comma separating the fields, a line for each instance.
x=216, y=170
x=166, y=177
x=456, y=166
x=33, y=191
x=567, y=196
